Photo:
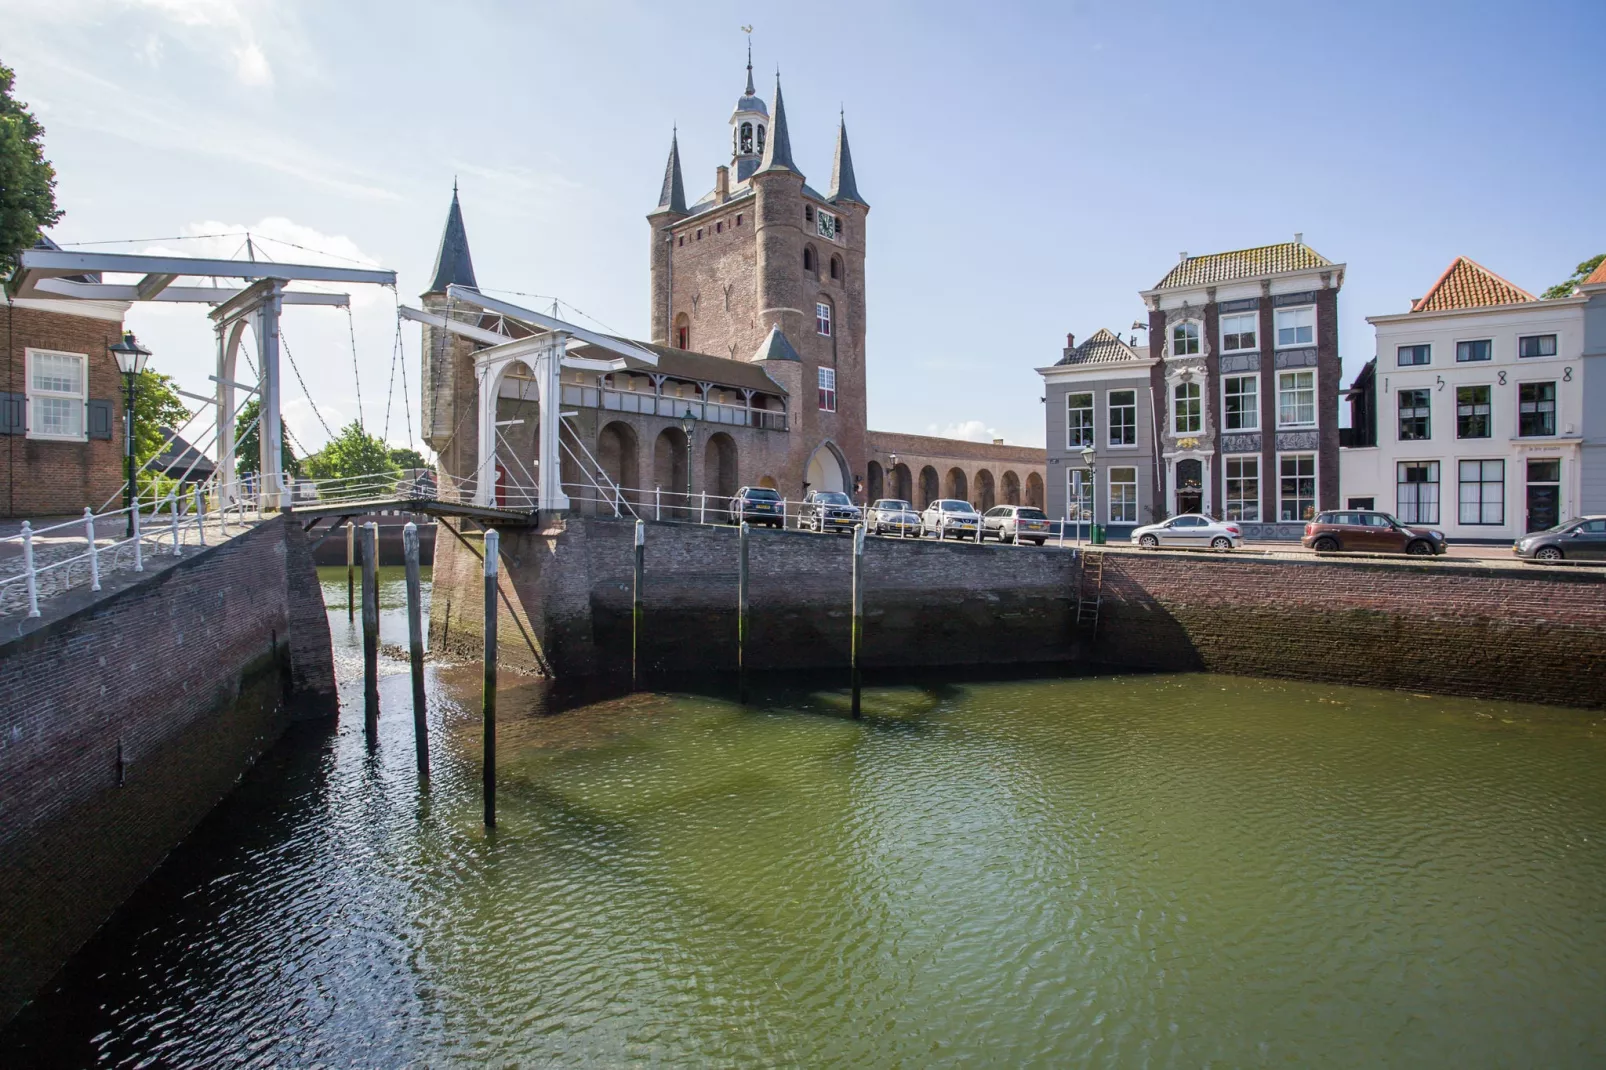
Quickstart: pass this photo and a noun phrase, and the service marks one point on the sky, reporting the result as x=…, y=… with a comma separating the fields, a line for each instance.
x=1030, y=167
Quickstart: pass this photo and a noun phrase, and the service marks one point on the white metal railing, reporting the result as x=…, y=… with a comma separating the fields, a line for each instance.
x=58, y=557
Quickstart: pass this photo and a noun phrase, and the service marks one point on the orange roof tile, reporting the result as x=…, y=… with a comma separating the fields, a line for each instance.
x=1468, y=284
x=1597, y=276
x=1243, y=264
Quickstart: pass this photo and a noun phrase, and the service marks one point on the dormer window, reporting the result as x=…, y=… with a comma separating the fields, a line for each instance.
x=1185, y=340
x=825, y=224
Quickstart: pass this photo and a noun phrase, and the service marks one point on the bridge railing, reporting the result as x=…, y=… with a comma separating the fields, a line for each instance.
x=40, y=562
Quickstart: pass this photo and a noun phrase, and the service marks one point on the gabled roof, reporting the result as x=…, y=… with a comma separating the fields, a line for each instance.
x=1243, y=264
x=1103, y=348
x=453, y=265
x=180, y=457
x=778, y=150
x=673, y=195
x=1468, y=284
x=1596, y=277
x=844, y=188
x=776, y=346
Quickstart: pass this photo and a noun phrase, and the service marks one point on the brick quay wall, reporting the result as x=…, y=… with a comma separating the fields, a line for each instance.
x=1501, y=631
x=127, y=714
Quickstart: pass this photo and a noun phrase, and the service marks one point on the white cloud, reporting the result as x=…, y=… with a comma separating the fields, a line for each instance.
x=251, y=66
x=968, y=430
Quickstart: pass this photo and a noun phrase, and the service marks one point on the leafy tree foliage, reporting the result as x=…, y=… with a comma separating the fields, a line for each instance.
x=353, y=452
x=408, y=458
x=27, y=181
x=156, y=406
x=248, y=447
x=1565, y=289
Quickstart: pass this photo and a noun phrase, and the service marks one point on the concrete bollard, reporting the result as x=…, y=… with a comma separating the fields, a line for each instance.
x=172, y=502
x=94, y=550
x=200, y=515
x=370, y=631
x=28, y=569
x=741, y=615
x=857, y=640
x=415, y=644
x=488, y=692
x=351, y=572
x=635, y=604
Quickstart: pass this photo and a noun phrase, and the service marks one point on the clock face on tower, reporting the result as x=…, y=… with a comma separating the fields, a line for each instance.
x=825, y=224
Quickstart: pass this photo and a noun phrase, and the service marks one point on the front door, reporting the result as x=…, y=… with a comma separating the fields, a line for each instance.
x=1544, y=494
x=1190, y=486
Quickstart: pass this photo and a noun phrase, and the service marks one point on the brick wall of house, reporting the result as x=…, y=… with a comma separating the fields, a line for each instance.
x=1329, y=385
x=178, y=677
x=51, y=478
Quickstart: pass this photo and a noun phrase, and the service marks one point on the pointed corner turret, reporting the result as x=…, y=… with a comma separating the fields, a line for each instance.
x=453, y=264
x=844, y=187
x=778, y=153
x=672, y=198
x=776, y=346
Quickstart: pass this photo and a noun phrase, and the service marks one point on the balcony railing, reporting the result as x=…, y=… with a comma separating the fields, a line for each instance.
x=595, y=397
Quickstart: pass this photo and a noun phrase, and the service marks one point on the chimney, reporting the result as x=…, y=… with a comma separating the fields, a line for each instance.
x=722, y=183
x=998, y=442
x=1299, y=237
x=1070, y=341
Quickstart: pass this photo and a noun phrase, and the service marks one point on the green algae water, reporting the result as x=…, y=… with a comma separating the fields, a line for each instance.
x=1117, y=871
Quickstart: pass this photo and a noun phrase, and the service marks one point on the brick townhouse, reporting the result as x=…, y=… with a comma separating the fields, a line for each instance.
x=61, y=405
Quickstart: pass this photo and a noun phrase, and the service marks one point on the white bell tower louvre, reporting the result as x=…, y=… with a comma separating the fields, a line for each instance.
x=749, y=127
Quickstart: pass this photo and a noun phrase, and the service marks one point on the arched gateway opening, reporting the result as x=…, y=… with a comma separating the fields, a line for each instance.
x=826, y=470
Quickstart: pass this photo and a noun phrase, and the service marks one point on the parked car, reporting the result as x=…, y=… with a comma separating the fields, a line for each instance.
x=1363, y=530
x=1583, y=539
x=1190, y=531
x=756, y=505
x=828, y=510
x=1015, y=523
x=950, y=516
x=893, y=515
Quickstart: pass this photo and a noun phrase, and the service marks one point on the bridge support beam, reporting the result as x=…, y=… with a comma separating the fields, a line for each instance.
x=543, y=355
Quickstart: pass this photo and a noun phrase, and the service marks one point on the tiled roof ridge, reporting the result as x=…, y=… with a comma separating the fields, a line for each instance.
x=1250, y=262
x=1481, y=289
x=1597, y=276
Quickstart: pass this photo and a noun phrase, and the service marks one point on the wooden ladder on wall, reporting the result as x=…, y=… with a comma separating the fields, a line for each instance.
x=1089, y=593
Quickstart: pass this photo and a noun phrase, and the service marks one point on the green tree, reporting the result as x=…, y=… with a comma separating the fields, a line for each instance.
x=27, y=181
x=353, y=452
x=1565, y=289
x=408, y=458
x=248, y=447
x=156, y=405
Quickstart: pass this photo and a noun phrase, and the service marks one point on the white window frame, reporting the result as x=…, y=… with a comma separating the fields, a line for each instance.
x=1316, y=483
x=33, y=394
x=1198, y=399
x=1254, y=316
x=1076, y=495
x=1198, y=338
x=1109, y=417
x=1228, y=501
x=826, y=224
x=827, y=389
x=1277, y=327
x=822, y=317
x=1294, y=373
x=1255, y=410
x=1091, y=426
x=1128, y=516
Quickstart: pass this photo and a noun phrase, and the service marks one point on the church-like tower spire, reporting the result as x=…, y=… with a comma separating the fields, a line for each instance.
x=778, y=153
x=749, y=127
x=844, y=188
x=673, y=195
x=453, y=263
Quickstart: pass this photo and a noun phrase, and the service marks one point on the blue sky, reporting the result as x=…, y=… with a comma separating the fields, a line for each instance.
x=1030, y=167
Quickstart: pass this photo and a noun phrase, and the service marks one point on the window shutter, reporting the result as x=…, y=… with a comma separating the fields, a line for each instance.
x=13, y=414
x=100, y=419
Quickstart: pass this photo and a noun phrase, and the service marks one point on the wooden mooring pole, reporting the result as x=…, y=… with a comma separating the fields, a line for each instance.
x=370, y=630
x=858, y=610
x=488, y=701
x=351, y=572
x=741, y=616
x=415, y=643
x=635, y=605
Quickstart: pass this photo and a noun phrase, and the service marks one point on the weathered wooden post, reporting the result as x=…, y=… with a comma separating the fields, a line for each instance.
x=415, y=643
x=351, y=571
x=858, y=610
x=635, y=605
x=741, y=616
x=370, y=630
x=488, y=700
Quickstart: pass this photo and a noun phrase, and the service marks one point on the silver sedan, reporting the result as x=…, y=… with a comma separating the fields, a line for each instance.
x=893, y=515
x=1191, y=531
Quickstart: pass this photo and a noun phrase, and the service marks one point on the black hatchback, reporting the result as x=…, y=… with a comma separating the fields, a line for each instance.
x=758, y=505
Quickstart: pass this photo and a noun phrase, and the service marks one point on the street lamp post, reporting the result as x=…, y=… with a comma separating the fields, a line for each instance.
x=131, y=357
x=1088, y=453
x=688, y=424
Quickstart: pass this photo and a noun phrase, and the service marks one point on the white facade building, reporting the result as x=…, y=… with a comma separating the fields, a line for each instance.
x=1478, y=410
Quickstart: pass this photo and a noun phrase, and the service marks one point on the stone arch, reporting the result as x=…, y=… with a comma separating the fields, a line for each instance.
x=827, y=469
x=902, y=483
x=719, y=466
x=930, y=490
x=955, y=485
x=837, y=272
x=682, y=335
x=1034, y=490
x=516, y=400
x=985, y=496
x=618, y=453
x=811, y=260
x=874, y=481
x=669, y=475
x=1011, y=488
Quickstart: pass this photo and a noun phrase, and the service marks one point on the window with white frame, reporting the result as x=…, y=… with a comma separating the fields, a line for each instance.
x=1483, y=492
x=1184, y=339
x=1077, y=502
x=57, y=389
x=1536, y=345
x=1238, y=331
x=827, y=389
x=825, y=224
x=1187, y=417
x=1243, y=488
x=1296, y=494
x=822, y=318
x=1123, y=406
x=1296, y=327
x=1296, y=399
x=1416, y=491
x=1241, y=403
x=1078, y=420
x=1123, y=484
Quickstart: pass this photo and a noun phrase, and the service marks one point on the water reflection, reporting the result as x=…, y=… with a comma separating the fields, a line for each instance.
x=1139, y=871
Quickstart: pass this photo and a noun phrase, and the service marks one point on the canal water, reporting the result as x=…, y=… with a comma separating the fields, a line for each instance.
x=1135, y=871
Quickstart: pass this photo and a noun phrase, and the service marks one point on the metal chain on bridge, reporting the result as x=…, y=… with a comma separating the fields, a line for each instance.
x=351, y=329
